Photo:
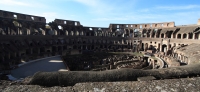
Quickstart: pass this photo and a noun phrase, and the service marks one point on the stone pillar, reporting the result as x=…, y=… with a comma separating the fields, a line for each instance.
x=150, y=34
x=181, y=36
x=153, y=63
x=160, y=47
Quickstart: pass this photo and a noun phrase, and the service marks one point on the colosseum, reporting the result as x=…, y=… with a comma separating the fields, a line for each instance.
x=27, y=37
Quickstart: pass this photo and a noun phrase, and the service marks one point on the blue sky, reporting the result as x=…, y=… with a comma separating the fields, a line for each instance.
x=100, y=13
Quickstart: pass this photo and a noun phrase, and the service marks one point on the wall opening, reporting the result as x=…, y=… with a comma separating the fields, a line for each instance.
x=117, y=26
x=179, y=36
x=59, y=27
x=32, y=18
x=140, y=26
x=190, y=35
x=184, y=36
x=164, y=48
x=167, y=24
x=162, y=35
x=90, y=29
x=15, y=16
x=75, y=24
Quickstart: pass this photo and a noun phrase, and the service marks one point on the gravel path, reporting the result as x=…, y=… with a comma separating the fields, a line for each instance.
x=47, y=65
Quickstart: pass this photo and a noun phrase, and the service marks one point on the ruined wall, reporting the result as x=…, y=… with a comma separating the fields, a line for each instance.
x=198, y=23
x=18, y=16
x=25, y=35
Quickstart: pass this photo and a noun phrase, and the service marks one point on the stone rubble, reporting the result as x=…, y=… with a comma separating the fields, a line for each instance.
x=168, y=85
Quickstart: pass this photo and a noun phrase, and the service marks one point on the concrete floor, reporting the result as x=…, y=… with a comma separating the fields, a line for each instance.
x=45, y=65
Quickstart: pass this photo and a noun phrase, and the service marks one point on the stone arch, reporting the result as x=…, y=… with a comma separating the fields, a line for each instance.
x=72, y=33
x=162, y=35
x=66, y=32
x=60, y=27
x=77, y=33
x=179, y=36
x=196, y=35
x=95, y=33
x=190, y=35
x=184, y=36
x=164, y=48
x=55, y=32
x=146, y=47
x=81, y=33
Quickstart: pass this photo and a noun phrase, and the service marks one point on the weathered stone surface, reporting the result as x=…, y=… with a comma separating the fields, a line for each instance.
x=168, y=85
x=146, y=78
x=72, y=77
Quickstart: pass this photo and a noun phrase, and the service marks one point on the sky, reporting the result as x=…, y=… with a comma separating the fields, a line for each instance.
x=100, y=13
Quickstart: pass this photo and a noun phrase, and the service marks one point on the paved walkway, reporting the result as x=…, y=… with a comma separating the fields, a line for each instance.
x=46, y=65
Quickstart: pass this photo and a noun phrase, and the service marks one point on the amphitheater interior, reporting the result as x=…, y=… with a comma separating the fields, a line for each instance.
x=140, y=46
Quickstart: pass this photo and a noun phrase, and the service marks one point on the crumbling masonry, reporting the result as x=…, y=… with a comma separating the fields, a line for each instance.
x=25, y=37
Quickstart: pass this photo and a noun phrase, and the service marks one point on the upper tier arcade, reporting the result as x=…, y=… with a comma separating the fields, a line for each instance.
x=19, y=16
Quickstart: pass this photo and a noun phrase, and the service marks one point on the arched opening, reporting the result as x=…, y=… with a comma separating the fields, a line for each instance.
x=179, y=36
x=66, y=32
x=155, y=25
x=190, y=35
x=196, y=35
x=65, y=22
x=55, y=32
x=170, y=46
x=146, y=47
x=136, y=26
x=167, y=24
x=95, y=33
x=140, y=26
x=90, y=29
x=169, y=34
x=77, y=33
x=164, y=48
x=60, y=27
x=75, y=24
x=117, y=26
x=162, y=25
x=16, y=23
x=162, y=35
x=72, y=33
x=184, y=36
x=32, y=18
x=15, y=16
